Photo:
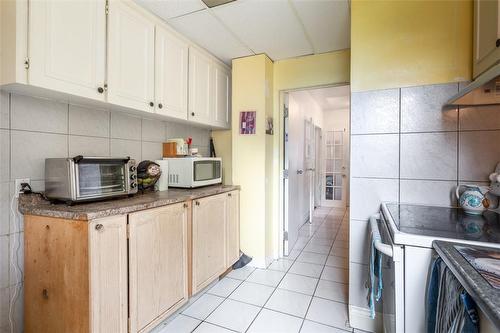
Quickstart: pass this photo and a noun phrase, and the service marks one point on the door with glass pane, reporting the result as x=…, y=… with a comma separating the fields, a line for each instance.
x=334, y=185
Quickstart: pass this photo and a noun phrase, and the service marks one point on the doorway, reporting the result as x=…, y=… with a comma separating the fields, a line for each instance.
x=315, y=145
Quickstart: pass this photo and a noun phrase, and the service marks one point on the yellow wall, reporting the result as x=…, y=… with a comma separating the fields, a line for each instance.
x=407, y=43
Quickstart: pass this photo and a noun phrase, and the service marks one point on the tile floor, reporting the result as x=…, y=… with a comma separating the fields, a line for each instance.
x=305, y=292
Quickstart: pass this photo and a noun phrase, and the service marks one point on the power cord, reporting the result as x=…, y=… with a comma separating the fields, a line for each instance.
x=26, y=189
x=14, y=256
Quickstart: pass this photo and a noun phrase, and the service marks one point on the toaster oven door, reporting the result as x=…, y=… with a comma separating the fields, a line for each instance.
x=98, y=178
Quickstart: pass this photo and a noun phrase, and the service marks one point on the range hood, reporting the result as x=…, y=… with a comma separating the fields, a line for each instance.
x=484, y=90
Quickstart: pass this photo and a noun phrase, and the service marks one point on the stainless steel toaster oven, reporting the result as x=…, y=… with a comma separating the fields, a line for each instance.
x=83, y=178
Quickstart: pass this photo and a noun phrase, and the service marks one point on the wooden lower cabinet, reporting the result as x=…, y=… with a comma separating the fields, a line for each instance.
x=233, y=228
x=158, y=270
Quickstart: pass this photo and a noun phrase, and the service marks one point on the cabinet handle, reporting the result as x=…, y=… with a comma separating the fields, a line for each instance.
x=185, y=205
x=229, y=195
x=151, y=104
x=498, y=42
x=45, y=293
x=160, y=106
x=197, y=203
x=192, y=113
x=100, y=90
x=99, y=227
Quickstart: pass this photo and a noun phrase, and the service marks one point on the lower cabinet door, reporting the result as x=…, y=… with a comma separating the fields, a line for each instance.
x=233, y=228
x=158, y=273
x=108, y=274
x=209, y=239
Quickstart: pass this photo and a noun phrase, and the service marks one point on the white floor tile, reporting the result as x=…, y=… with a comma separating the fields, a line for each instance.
x=322, y=249
x=321, y=241
x=281, y=265
x=335, y=274
x=299, y=283
x=339, y=252
x=312, y=258
x=253, y=293
x=267, y=277
x=339, y=262
x=333, y=291
x=234, y=315
x=209, y=328
x=180, y=324
x=271, y=321
x=241, y=273
x=203, y=306
x=224, y=287
x=293, y=254
x=289, y=302
x=312, y=327
x=303, y=268
x=328, y=313
x=342, y=244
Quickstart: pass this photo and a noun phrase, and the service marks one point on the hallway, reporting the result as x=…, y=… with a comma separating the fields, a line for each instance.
x=305, y=292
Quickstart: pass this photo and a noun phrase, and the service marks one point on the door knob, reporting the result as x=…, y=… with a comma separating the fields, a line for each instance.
x=300, y=171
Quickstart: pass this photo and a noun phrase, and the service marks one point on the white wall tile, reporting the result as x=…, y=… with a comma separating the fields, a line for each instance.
x=375, y=112
x=367, y=194
x=88, y=122
x=480, y=118
x=4, y=208
x=4, y=310
x=37, y=114
x=30, y=149
x=126, y=148
x=359, y=241
x=429, y=156
x=4, y=154
x=375, y=155
x=18, y=308
x=16, y=244
x=175, y=130
x=153, y=130
x=152, y=151
x=89, y=146
x=125, y=126
x=479, y=153
x=4, y=261
x=422, y=108
x=4, y=109
x=437, y=193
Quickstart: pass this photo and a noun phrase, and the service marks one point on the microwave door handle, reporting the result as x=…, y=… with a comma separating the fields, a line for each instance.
x=379, y=245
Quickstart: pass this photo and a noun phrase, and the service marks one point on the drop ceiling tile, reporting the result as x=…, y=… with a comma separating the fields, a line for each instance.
x=326, y=22
x=205, y=30
x=269, y=27
x=167, y=9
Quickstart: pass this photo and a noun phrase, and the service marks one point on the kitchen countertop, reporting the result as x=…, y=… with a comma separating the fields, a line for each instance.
x=34, y=204
x=486, y=297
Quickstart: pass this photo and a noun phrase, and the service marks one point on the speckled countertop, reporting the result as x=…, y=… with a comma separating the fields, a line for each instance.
x=33, y=204
x=486, y=297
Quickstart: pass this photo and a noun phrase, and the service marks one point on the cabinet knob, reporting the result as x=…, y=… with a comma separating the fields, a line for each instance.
x=197, y=203
x=100, y=90
x=229, y=195
x=151, y=104
x=498, y=42
x=192, y=113
x=45, y=293
x=160, y=106
x=185, y=205
x=99, y=226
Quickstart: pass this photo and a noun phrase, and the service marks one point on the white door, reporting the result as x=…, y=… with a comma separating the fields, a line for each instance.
x=222, y=93
x=309, y=164
x=334, y=175
x=317, y=169
x=67, y=48
x=131, y=38
x=171, y=74
x=201, y=102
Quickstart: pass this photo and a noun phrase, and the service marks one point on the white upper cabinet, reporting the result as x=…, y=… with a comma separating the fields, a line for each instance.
x=131, y=38
x=222, y=95
x=67, y=45
x=486, y=35
x=171, y=74
x=201, y=101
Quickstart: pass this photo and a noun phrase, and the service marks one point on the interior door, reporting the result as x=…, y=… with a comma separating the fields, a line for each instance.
x=68, y=46
x=131, y=41
x=334, y=176
x=171, y=74
x=309, y=165
x=317, y=169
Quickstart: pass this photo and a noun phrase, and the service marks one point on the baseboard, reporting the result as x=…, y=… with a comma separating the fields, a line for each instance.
x=360, y=318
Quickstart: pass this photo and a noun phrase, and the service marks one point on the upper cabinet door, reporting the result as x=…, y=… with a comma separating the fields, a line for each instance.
x=201, y=78
x=486, y=35
x=171, y=79
x=222, y=95
x=131, y=38
x=67, y=42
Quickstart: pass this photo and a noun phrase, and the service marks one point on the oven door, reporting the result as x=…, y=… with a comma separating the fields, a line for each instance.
x=392, y=276
x=100, y=177
x=206, y=172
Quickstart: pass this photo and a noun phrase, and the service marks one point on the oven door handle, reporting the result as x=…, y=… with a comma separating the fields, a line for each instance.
x=379, y=245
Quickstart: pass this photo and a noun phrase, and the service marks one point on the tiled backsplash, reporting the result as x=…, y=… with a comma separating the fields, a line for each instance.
x=33, y=129
x=407, y=148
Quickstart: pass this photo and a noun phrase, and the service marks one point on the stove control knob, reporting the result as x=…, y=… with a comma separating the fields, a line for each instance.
x=132, y=185
x=133, y=176
x=133, y=168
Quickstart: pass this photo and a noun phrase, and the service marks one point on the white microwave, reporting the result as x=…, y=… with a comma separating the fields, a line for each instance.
x=189, y=172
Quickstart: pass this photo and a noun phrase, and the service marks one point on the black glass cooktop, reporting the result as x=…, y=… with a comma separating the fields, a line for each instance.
x=446, y=222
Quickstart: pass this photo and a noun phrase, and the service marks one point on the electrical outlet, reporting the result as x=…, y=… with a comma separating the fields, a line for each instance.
x=18, y=183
